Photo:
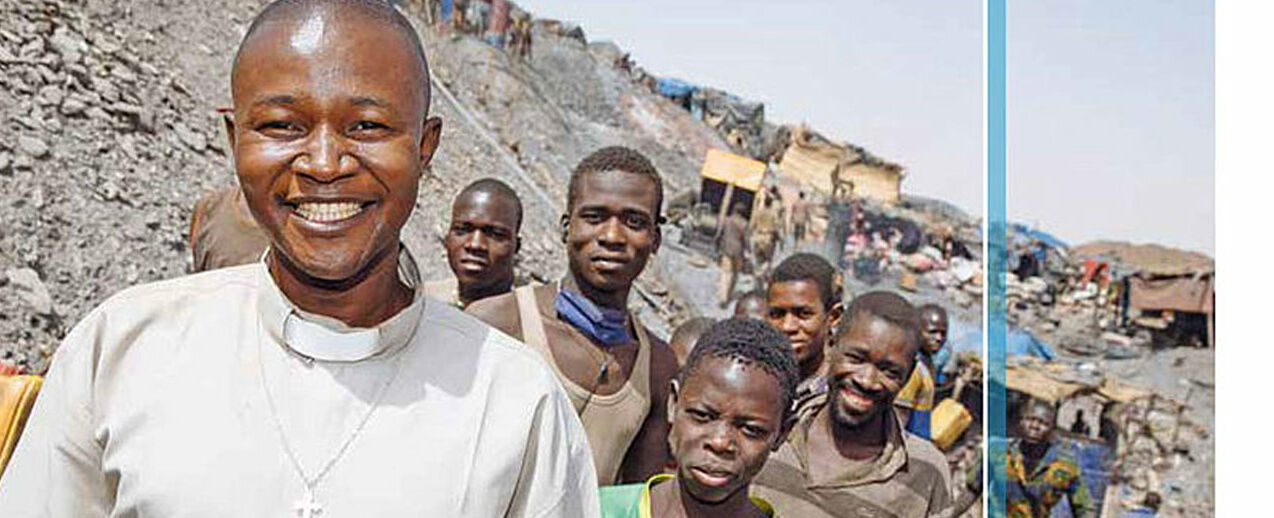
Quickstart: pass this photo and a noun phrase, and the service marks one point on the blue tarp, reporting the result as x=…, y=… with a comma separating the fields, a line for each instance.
x=1021, y=342
x=670, y=87
x=964, y=336
x=1022, y=233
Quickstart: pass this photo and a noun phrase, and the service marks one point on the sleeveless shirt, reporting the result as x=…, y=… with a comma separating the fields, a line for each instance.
x=610, y=421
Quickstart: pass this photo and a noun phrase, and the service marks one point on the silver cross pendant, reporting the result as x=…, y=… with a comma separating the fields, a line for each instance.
x=308, y=507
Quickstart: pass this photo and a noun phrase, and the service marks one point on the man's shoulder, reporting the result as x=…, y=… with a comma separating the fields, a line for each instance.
x=500, y=311
x=503, y=353
x=161, y=307
x=502, y=305
x=925, y=453
x=213, y=285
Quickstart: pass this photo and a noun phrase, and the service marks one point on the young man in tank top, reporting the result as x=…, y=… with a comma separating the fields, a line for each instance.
x=615, y=373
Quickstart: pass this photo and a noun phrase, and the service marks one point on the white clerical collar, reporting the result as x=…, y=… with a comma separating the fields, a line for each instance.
x=321, y=338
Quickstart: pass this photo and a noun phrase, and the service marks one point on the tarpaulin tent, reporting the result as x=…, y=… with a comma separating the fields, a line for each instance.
x=811, y=159
x=671, y=87
x=738, y=121
x=1190, y=294
x=729, y=168
x=1054, y=382
x=727, y=180
x=1020, y=233
x=1186, y=296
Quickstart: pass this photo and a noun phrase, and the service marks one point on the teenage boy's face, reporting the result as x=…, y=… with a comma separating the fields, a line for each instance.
x=726, y=418
x=796, y=309
x=329, y=137
x=934, y=328
x=612, y=228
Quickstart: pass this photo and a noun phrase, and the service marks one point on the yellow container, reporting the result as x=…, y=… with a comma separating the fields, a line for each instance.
x=17, y=396
x=948, y=420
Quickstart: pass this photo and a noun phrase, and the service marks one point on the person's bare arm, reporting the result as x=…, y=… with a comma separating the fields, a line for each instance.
x=648, y=454
x=500, y=312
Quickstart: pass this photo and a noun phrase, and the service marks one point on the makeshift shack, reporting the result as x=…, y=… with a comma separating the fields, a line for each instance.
x=813, y=161
x=1180, y=306
x=739, y=122
x=726, y=180
x=1098, y=457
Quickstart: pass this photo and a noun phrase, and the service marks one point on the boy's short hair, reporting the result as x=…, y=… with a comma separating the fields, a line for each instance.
x=809, y=267
x=617, y=158
x=753, y=343
x=887, y=306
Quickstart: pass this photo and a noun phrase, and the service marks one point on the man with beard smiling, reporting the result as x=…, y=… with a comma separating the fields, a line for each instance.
x=320, y=380
x=616, y=374
x=730, y=406
x=849, y=456
x=482, y=242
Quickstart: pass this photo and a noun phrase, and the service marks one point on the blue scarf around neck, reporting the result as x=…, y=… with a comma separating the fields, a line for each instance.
x=604, y=325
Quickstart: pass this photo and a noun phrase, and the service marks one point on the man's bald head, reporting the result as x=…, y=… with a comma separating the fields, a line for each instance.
x=312, y=23
x=752, y=305
x=493, y=188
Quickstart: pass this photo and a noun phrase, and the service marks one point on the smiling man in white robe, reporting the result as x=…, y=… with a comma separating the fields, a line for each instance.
x=318, y=381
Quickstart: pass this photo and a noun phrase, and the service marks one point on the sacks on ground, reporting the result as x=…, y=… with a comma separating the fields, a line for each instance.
x=920, y=262
x=932, y=253
x=963, y=269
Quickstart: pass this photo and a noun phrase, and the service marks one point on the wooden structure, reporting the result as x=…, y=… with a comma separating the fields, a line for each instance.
x=816, y=162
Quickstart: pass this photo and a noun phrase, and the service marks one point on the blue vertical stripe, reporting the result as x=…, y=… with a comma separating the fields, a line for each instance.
x=996, y=252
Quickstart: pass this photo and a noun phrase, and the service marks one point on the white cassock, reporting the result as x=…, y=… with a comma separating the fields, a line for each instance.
x=180, y=398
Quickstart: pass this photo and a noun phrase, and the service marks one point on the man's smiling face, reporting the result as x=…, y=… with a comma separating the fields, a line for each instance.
x=867, y=366
x=330, y=136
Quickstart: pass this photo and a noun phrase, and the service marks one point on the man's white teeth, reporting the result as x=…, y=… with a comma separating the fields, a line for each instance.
x=328, y=212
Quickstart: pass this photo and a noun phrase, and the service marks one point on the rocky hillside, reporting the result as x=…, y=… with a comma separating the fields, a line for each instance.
x=111, y=134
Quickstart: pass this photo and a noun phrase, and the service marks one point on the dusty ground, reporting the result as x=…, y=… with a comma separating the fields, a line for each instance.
x=1183, y=473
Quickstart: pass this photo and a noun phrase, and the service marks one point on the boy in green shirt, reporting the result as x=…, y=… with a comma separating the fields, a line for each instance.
x=730, y=406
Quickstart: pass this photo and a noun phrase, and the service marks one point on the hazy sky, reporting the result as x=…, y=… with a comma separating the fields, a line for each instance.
x=903, y=79
x=1110, y=107
x=1110, y=102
